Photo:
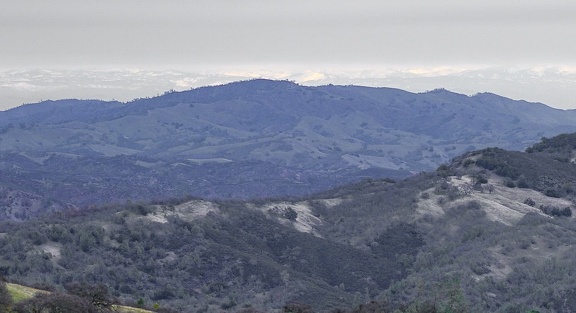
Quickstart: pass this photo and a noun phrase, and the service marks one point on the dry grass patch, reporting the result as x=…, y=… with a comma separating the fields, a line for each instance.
x=127, y=309
x=304, y=222
x=505, y=205
x=20, y=293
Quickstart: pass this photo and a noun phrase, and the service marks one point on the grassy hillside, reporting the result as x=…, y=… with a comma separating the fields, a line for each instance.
x=246, y=140
x=20, y=293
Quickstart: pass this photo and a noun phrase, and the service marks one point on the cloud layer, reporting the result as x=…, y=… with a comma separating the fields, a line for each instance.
x=554, y=86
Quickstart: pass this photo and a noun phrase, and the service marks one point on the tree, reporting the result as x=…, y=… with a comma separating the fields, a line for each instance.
x=5, y=298
x=291, y=214
x=295, y=307
x=372, y=307
x=530, y=202
x=97, y=295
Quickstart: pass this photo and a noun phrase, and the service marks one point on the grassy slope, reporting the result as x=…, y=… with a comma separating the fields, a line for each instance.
x=21, y=293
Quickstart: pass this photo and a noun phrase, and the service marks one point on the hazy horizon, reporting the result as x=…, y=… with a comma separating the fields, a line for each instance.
x=552, y=86
x=412, y=45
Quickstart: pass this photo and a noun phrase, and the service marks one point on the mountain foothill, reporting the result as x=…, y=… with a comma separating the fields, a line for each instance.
x=244, y=140
x=262, y=196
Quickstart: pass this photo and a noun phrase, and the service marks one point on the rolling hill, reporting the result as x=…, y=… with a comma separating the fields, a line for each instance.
x=249, y=139
x=491, y=231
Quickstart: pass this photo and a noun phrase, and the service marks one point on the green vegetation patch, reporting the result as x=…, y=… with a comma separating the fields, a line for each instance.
x=127, y=309
x=20, y=293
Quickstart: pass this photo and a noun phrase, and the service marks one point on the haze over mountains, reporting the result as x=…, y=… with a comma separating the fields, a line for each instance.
x=257, y=138
x=551, y=85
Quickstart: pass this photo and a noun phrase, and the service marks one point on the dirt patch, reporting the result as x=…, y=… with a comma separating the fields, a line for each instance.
x=157, y=218
x=304, y=222
x=501, y=204
x=331, y=202
x=52, y=248
x=170, y=257
x=195, y=209
x=189, y=211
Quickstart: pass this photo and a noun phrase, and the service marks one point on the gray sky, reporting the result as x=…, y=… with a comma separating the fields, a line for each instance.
x=195, y=34
x=287, y=36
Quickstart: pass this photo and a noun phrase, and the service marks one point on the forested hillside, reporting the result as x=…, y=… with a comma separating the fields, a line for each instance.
x=248, y=139
x=491, y=231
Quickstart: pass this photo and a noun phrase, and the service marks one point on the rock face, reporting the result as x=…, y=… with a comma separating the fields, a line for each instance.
x=256, y=138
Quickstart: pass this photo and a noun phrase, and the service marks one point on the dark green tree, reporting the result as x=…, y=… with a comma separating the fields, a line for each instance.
x=291, y=214
x=97, y=295
x=5, y=298
x=295, y=307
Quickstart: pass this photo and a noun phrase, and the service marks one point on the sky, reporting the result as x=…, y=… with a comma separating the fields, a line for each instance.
x=244, y=38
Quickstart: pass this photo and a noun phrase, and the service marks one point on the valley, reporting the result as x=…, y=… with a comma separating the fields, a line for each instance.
x=462, y=228
x=342, y=207
x=250, y=139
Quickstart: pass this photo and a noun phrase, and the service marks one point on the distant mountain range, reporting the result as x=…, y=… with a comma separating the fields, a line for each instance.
x=257, y=138
x=551, y=85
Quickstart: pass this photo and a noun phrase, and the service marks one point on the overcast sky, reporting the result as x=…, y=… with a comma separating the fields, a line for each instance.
x=298, y=33
x=295, y=35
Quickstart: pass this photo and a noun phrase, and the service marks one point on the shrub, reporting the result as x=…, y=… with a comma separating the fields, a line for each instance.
x=509, y=183
x=297, y=308
x=552, y=193
x=441, y=201
x=530, y=202
x=97, y=295
x=473, y=205
x=290, y=214
x=522, y=183
x=467, y=163
x=555, y=211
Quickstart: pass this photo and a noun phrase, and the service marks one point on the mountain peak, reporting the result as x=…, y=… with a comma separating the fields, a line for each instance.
x=262, y=83
x=277, y=137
